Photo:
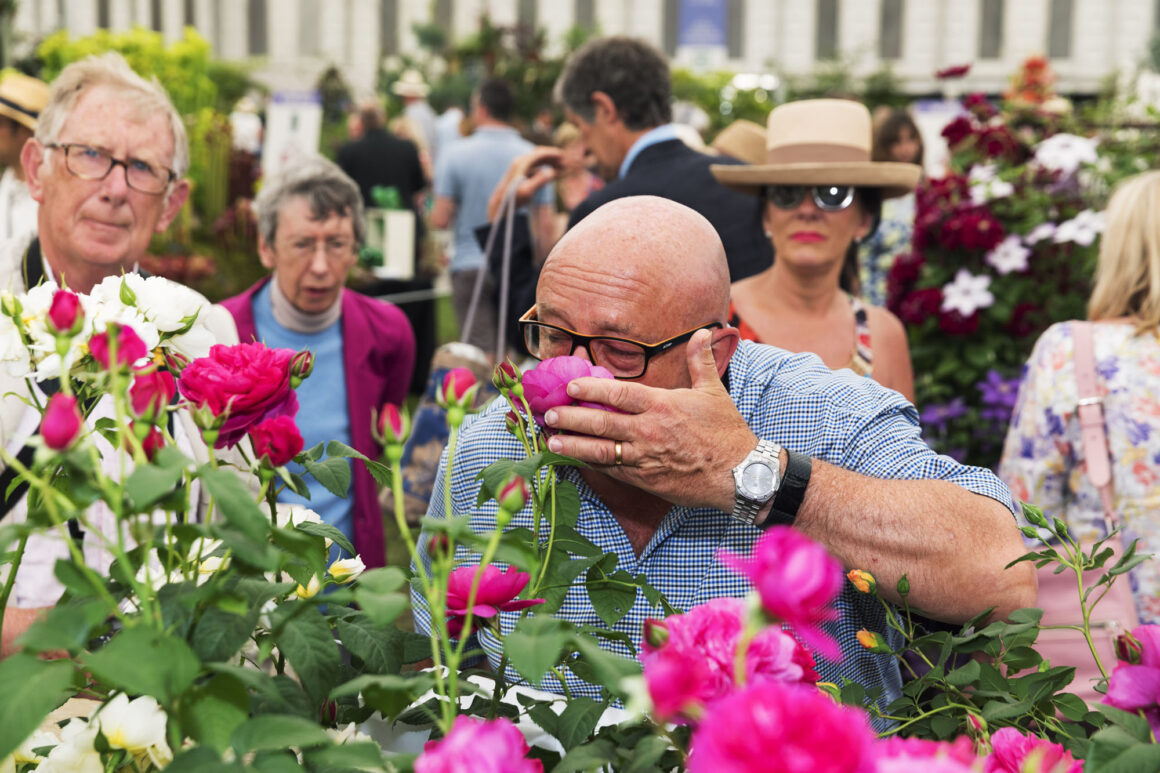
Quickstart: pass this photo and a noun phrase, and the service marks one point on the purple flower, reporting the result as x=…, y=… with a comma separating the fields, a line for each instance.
x=939, y=414
x=999, y=392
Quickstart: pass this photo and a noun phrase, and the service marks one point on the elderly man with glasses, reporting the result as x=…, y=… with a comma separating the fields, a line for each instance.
x=714, y=439
x=106, y=168
x=310, y=226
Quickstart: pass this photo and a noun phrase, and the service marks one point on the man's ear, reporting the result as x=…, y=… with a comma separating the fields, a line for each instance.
x=31, y=158
x=725, y=342
x=603, y=106
x=173, y=204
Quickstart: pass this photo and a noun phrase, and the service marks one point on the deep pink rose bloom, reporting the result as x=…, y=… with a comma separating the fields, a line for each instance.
x=1137, y=687
x=1011, y=748
x=497, y=593
x=797, y=581
x=277, y=439
x=63, y=313
x=151, y=391
x=393, y=425
x=906, y=755
x=800, y=727
x=457, y=388
x=546, y=387
x=705, y=640
x=62, y=422
x=130, y=347
x=478, y=746
x=250, y=381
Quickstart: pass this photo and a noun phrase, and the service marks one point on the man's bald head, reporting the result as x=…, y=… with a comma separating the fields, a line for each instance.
x=656, y=246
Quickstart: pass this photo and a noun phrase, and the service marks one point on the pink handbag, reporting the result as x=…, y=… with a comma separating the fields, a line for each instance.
x=1058, y=594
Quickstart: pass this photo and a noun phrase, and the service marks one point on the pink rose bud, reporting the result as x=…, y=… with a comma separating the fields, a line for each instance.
x=152, y=390
x=1129, y=649
x=438, y=544
x=513, y=494
x=394, y=425
x=65, y=315
x=301, y=366
x=62, y=422
x=656, y=633
x=153, y=440
x=506, y=376
x=276, y=439
x=458, y=389
x=130, y=347
x=512, y=422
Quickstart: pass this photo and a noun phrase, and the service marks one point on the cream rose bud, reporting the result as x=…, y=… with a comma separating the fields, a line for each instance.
x=133, y=725
x=25, y=754
x=311, y=589
x=345, y=570
x=75, y=751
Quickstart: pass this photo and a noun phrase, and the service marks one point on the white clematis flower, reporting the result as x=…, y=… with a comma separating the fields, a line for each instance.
x=1039, y=233
x=1065, y=153
x=967, y=293
x=1009, y=255
x=1081, y=229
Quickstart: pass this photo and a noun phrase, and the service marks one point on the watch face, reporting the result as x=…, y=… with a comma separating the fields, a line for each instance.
x=757, y=480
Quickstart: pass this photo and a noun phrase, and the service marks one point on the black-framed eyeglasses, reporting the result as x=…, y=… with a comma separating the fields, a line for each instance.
x=89, y=163
x=828, y=198
x=623, y=357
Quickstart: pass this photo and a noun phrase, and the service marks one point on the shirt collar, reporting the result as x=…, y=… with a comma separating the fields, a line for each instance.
x=651, y=137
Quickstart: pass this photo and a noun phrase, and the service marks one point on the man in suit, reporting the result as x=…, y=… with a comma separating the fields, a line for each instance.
x=106, y=167
x=618, y=92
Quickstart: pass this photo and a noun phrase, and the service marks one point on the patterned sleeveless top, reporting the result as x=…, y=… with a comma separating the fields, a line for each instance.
x=860, y=360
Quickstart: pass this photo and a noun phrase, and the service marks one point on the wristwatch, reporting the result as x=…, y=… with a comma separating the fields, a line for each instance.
x=756, y=480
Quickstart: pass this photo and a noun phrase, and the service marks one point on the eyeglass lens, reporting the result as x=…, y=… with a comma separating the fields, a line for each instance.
x=830, y=198
x=94, y=164
x=623, y=358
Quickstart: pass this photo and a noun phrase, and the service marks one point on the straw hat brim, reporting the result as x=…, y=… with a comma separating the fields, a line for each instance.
x=23, y=119
x=895, y=179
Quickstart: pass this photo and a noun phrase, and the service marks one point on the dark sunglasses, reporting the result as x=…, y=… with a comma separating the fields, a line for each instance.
x=828, y=198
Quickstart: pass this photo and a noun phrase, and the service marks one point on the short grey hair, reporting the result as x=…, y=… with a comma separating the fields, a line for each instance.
x=322, y=183
x=146, y=97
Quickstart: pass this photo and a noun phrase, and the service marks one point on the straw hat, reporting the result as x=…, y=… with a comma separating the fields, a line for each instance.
x=743, y=140
x=820, y=142
x=22, y=98
x=411, y=84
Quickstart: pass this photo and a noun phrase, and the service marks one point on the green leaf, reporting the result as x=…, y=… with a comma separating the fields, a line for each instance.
x=997, y=710
x=276, y=762
x=67, y=626
x=388, y=694
x=276, y=732
x=148, y=484
x=32, y=688
x=964, y=675
x=326, y=531
x=378, y=593
x=212, y=711
x=578, y=720
x=335, y=449
x=590, y=756
x=647, y=754
x=140, y=660
x=333, y=473
x=567, y=503
x=309, y=646
x=376, y=646
x=571, y=541
x=347, y=756
x=1115, y=749
x=78, y=582
x=601, y=666
x=611, y=596
x=535, y=644
x=202, y=759
x=1133, y=724
x=562, y=573
x=380, y=472
x=258, y=553
x=234, y=501
x=220, y=634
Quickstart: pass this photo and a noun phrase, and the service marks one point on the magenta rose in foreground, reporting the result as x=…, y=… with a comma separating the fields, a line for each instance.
x=907, y=755
x=696, y=664
x=797, y=581
x=130, y=347
x=62, y=422
x=546, y=387
x=800, y=727
x=249, y=381
x=479, y=746
x=497, y=593
x=151, y=391
x=276, y=439
x=65, y=312
x=1136, y=687
x=1011, y=750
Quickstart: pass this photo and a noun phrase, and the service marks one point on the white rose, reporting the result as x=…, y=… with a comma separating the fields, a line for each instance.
x=136, y=726
x=167, y=304
x=345, y=570
x=13, y=353
x=75, y=754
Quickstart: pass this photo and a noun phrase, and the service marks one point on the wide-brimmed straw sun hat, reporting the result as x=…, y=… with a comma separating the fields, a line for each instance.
x=22, y=98
x=820, y=142
x=411, y=84
x=743, y=140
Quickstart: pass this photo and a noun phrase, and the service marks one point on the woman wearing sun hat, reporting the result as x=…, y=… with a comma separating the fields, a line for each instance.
x=822, y=195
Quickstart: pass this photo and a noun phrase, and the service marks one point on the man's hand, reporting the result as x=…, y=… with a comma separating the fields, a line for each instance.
x=679, y=444
x=534, y=170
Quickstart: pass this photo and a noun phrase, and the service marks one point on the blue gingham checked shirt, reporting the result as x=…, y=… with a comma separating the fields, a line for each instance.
x=792, y=399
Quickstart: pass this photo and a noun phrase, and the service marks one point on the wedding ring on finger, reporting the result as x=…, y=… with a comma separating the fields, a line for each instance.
x=619, y=449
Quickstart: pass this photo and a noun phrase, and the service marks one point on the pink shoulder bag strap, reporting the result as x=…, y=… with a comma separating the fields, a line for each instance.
x=1091, y=418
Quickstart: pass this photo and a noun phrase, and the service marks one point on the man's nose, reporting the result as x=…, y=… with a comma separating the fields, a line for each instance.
x=116, y=182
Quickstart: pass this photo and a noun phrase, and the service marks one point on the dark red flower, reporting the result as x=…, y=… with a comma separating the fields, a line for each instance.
x=920, y=306
x=979, y=106
x=954, y=323
x=1026, y=319
x=276, y=439
x=954, y=71
x=151, y=391
x=958, y=130
x=152, y=442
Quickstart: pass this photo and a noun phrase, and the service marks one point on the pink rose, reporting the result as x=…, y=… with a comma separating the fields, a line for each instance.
x=497, y=593
x=705, y=639
x=1136, y=686
x=130, y=347
x=65, y=312
x=797, y=581
x=546, y=387
x=1011, y=749
x=906, y=755
x=152, y=442
x=151, y=391
x=393, y=425
x=247, y=382
x=458, y=388
x=479, y=746
x=61, y=423
x=804, y=729
x=276, y=439
x=513, y=494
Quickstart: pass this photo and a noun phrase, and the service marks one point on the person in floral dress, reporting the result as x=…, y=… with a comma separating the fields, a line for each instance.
x=1043, y=457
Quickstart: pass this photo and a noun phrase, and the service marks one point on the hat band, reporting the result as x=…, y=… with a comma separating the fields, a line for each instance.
x=9, y=103
x=816, y=153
